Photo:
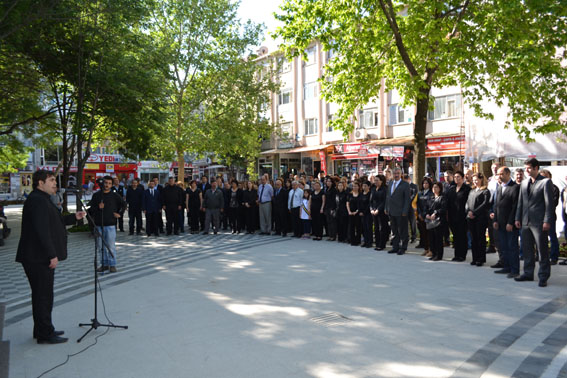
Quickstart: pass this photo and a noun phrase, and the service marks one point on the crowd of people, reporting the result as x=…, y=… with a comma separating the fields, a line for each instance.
x=516, y=209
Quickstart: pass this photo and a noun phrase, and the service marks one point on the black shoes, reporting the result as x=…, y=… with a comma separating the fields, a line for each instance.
x=205, y=233
x=523, y=278
x=392, y=251
x=512, y=275
x=497, y=265
x=542, y=283
x=502, y=271
x=55, y=333
x=553, y=262
x=479, y=263
x=53, y=340
x=437, y=259
x=401, y=252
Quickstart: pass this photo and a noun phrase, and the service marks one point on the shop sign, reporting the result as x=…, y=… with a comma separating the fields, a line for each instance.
x=110, y=168
x=323, y=162
x=53, y=168
x=151, y=164
x=398, y=151
x=176, y=165
x=91, y=166
x=363, y=152
x=104, y=158
x=446, y=146
x=348, y=148
x=285, y=144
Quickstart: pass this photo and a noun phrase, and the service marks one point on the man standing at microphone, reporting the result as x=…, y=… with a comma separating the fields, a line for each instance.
x=43, y=243
x=105, y=208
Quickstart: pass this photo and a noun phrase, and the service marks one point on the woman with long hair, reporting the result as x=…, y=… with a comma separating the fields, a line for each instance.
x=342, y=212
x=330, y=210
x=317, y=206
x=437, y=212
x=355, y=224
x=457, y=197
x=424, y=198
x=235, y=199
x=193, y=202
x=379, y=217
x=364, y=213
x=477, y=207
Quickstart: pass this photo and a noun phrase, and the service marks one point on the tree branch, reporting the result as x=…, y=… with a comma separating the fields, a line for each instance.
x=12, y=127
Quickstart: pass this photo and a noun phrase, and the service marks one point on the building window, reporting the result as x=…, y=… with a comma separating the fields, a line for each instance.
x=311, y=126
x=446, y=107
x=310, y=90
x=284, y=97
x=368, y=118
x=310, y=55
x=286, y=129
x=399, y=114
x=330, y=117
x=284, y=65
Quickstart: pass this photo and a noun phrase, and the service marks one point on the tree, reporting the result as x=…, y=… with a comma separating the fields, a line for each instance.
x=503, y=51
x=215, y=93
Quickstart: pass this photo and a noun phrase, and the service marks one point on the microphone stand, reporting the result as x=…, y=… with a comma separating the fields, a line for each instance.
x=94, y=324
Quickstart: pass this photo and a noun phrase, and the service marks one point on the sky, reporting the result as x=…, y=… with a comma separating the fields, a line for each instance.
x=261, y=11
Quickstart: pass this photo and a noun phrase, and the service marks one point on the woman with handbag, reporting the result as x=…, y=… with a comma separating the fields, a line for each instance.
x=477, y=207
x=436, y=220
x=379, y=217
x=355, y=224
x=424, y=199
x=330, y=209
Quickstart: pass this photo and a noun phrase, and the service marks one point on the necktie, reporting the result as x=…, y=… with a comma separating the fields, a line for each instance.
x=292, y=197
x=262, y=193
x=152, y=191
x=394, y=186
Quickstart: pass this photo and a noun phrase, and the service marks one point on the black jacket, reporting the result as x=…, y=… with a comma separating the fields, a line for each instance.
x=378, y=199
x=280, y=200
x=438, y=207
x=249, y=197
x=135, y=197
x=423, y=202
x=456, y=203
x=193, y=199
x=505, y=204
x=364, y=203
x=43, y=236
x=330, y=199
x=112, y=204
x=172, y=196
x=479, y=203
x=341, y=200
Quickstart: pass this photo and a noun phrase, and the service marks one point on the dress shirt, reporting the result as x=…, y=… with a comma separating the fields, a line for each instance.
x=395, y=185
x=295, y=197
x=265, y=193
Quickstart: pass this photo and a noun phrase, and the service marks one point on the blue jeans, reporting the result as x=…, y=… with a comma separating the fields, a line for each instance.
x=508, y=244
x=553, y=242
x=109, y=235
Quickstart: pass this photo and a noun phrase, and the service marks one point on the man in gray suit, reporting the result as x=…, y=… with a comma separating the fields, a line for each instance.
x=397, y=207
x=534, y=216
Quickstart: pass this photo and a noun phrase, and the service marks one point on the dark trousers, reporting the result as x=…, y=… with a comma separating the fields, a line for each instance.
x=492, y=237
x=381, y=229
x=317, y=224
x=225, y=221
x=202, y=219
x=477, y=228
x=193, y=218
x=233, y=218
x=41, y=279
x=436, y=236
x=423, y=235
x=331, y=223
x=135, y=216
x=160, y=221
x=241, y=221
x=460, y=238
x=508, y=246
x=399, y=226
x=251, y=215
x=121, y=221
x=412, y=223
x=342, y=227
x=533, y=235
x=181, y=219
x=366, y=220
x=172, y=217
x=355, y=229
x=295, y=221
x=280, y=218
x=306, y=226
x=152, y=223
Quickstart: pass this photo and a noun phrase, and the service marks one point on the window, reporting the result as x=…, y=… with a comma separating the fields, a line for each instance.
x=310, y=90
x=311, y=55
x=311, y=126
x=286, y=129
x=284, y=65
x=284, y=97
x=446, y=107
x=330, y=117
x=368, y=118
x=399, y=114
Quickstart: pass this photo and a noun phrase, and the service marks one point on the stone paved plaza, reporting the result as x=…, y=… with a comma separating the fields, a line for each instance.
x=266, y=306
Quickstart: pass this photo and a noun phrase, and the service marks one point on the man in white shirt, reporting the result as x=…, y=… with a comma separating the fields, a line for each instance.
x=294, y=204
x=265, y=196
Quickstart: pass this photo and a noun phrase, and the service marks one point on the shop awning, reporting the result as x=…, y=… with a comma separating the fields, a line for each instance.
x=276, y=151
x=310, y=148
x=400, y=141
x=445, y=146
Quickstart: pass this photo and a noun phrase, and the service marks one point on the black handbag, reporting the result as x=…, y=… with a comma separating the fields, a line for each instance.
x=430, y=224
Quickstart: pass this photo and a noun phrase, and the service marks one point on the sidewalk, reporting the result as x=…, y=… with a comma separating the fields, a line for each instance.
x=265, y=306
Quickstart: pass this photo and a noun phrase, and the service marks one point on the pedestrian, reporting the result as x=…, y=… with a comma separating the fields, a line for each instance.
x=151, y=205
x=43, y=244
x=534, y=215
x=305, y=214
x=119, y=189
x=193, y=203
x=181, y=212
x=412, y=214
x=213, y=204
x=172, y=197
x=264, y=201
x=477, y=208
x=397, y=207
x=105, y=206
x=364, y=213
x=457, y=196
x=553, y=241
x=354, y=219
x=234, y=201
x=134, y=199
x=424, y=199
x=249, y=198
x=341, y=198
x=159, y=188
x=436, y=218
x=203, y=186
x=492, y=184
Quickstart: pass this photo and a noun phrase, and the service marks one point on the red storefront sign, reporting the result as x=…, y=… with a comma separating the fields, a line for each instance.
x=104, y=158
x=446, y=146
x=53, y=168
x=323, y=161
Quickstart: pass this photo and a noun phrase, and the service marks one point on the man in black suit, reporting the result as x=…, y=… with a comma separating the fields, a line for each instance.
x=397, y=207
x=534, y=215
x=172, y=197
x=43, y=243
x=204, y=186
x=151, y=205
x=412, y=212
x=505, y=203
x=280, y=208
x=159, y=188
x=134, y=198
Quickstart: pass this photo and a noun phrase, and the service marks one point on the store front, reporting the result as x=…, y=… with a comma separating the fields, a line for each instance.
x=124, y=171
x=351, y=158
x=444, y=153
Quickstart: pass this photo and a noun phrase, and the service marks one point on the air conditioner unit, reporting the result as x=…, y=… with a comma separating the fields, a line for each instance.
x=361, y=134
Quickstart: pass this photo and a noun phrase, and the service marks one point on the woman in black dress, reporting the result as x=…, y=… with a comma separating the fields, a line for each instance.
x=379, y=217
x=364, y=213
x=437, y=210
x=317, y=206
x=235, y=199
x=457, y=197
x=424, y=199
x=194, y=200
x=342, y=213
x=355, y=224
x=477, y=207
x=249, y=197
x=330, y=210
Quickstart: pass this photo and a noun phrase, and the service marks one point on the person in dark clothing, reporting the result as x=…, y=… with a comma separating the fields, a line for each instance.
x=341, y=199
x=330, y=209
x=249, y=198
x=151, y=205
x=225, y=216
x=355, y=224
x=457, y=196
x=193, y=203
x=134, y=198
x=477, y=207
x=379, y=217
x=159, y=188
x=437, y=210
x=364, y=213
x=317, y=206
x=280, y=209
x=553, y=241
x=213, y=204
x=447, y=184
x=294, y=202
x=203, y=187
x=234, y=201
x=105, y=208
x=119, y=189
x=412, y=212
x=181, y=212
x=172, y=198
x=42, y=245
x=424, y=199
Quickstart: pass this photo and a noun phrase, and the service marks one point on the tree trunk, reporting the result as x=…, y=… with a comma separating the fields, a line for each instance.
x=180, y=166
x=419, y=130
